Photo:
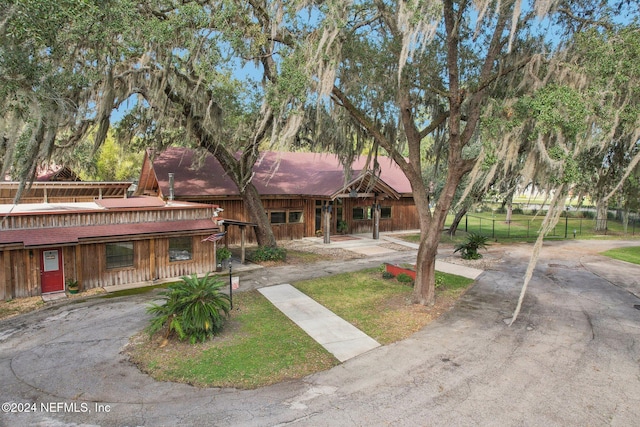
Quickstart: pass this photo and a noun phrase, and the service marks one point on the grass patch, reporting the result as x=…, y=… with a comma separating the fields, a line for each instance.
x=451, y=282
x=630, y=254
x=381, y=308
x=258, y=346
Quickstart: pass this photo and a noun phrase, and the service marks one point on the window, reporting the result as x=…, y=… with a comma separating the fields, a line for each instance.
x=180, y=249
x=361, y=212
x=295, y=217
x=119, y=255
x=385, y=212
x=286, y=217
x=278, y=217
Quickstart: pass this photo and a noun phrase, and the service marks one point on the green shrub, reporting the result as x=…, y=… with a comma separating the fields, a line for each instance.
x=404, y=278
x=269, y=253
x=469, y=248
x=193, y=309
x=517, y=211
x=342, y=226
x=387, y=275
x=223, y=254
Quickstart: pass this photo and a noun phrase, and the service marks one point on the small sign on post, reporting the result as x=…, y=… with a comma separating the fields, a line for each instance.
x=234, y=283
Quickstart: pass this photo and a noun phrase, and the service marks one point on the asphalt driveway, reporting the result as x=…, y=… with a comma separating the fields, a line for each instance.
x=573, y=358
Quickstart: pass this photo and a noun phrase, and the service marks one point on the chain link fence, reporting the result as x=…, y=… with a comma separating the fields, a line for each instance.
x=565, y=228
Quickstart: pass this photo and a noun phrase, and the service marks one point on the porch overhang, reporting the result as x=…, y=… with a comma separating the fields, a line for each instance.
x=366, y=185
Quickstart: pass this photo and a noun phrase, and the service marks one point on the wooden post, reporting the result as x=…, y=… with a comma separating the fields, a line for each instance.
x=78, y=266
x=242, y=238
x=376, y=221
x=326, y=208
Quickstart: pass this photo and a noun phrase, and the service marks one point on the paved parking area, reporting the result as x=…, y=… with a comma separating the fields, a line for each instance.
x=572, y=358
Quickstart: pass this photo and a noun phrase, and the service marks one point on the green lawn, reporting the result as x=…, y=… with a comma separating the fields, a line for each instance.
x=258, y=346
x=630, y=254
x=261, y=346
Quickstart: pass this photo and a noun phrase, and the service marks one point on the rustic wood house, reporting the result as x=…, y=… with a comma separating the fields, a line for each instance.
x=304, y=194
x=136, y=240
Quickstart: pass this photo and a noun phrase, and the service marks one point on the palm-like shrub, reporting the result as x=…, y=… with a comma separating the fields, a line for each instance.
x=469, y=248
x=194, y=308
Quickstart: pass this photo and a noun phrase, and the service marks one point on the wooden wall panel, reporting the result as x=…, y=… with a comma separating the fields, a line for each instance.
x=5, y=276
x=25, y=273
x=69, y=263
x=75, y=219
x=203, y=259
x=403, y=217
x=95, y=273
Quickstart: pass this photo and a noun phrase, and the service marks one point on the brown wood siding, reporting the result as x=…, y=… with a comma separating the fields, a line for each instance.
x=94, y=269
x=95, y=273
x=76, y=219
x=24, y=274
x=203, y=259
x=148, y=183
x=69, y=264
x=5, y=276
x=20, y=274
x=404, y=216
x=234, y=209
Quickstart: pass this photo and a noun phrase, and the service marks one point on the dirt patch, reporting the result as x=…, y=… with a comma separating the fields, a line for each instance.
x=492, y=256
x=302, y=251
x=18, y=306
x=14, y=307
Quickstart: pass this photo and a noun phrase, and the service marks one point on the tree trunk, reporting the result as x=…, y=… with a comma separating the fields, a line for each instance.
x=456, y=221
x=253, y=205
x=431, y=226
x=424, y=290
x=601, y=215
x=239, y=170
x=250, y=196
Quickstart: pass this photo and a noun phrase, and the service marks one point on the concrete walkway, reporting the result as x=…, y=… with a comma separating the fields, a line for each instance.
x=365, y=245
x=335, y=334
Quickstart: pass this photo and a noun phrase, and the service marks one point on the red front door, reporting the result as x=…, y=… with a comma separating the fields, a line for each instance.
x=51, y=274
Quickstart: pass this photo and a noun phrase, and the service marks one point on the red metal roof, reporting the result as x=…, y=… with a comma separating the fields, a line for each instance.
x=275, y=174
x=131, y=202
x=74, y=235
